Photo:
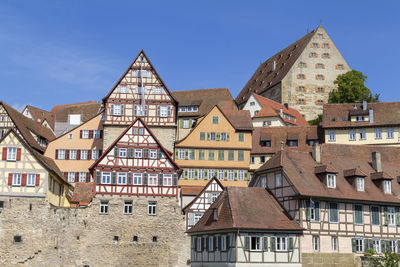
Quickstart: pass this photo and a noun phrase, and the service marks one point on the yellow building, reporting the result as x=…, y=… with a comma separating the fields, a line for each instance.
x=219, y=145
x=26, y=173
x=75, y=151
x=362, y=124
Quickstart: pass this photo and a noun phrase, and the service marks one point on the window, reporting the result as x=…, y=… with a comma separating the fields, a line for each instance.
x=121, y=178
x=153, y=153
x=128, y=207
x=252, y=103
x=137, y=179
x=82, y=177
x=363, y=134
x=255, y=244
x=191, y=154
x=331, y=180
x=393, y=246
x=262, y=159
x=231, y=155
x=215, y=119
x=122, y=89
x=340, y=67
x=302, y=65
x=334, y=243
x=241, y=137
x=221, y=174
x=266, y=143
x=69, y=136
x=210, y=174
x=292, y=142
x=117, y=109
x=201, y=154
x=210, y=243
x=319, y=66
x=223, y=243
x=71, y=177
x=85, y=134
x=138, y=153
x=278, y=179
x=375, y=215
x=153, y=180
x=103, y=207
x=221, y=154
x=376, y=245
x=95, y=154
x=17, y=239
x=301, y=76
x=231, y=175
x=301, y=101
x=325, y=55
x=360, y=183
x=240, y=155
x=72, y=154
x=181, y=153
x=164, y=111
x=320, y=77
x=11, y=153
x=16, y=179
x=320, y=90
x=224, y=137
x=106, y=178
x=31, y=178
x=331, y=136
x=358, y=214
x=152, y=208
x=61, y=154
x=315, y=45
x=1, y=205
x=325, y=45
x=320, y=36
x=378, y=133
x=185, y=124
x=158, y=90
x=389, y=133
x=84, y=154
x=315, y=243
x=267, y=123
x=281, y=243
x=211, y=154
x=197, y=217
x=240, y=175
x=313, y=55
x=387, y=186
x=359, y=245
x=190, y=173
x=352, y=135
x=201, y=174
x=212, y=136
x=140, y=110
x=182, y=109
x=252, y=160
x=312, y=211
x=391, y=216
x=301, y=89
x=198, y=244
x=333, y=213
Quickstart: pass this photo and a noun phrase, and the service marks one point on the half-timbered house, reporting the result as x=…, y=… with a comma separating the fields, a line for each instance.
x=26, y=173
x=346, y=198
x=245, y=226
x=196, y=208
x=140, y=92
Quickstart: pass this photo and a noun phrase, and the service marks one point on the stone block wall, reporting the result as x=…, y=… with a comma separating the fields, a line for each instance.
x=330, y=260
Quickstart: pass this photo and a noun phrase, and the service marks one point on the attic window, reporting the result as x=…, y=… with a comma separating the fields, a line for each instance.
x=215, y=214
x=252, y=103
x=387, y=186
x=331, y=180
x=360, y=183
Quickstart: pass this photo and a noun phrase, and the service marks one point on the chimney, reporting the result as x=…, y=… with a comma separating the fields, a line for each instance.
x=376, y=161
x=286, y=105
x=273, y=68
x=364, y=105
x=371, y=116
x=316, y=153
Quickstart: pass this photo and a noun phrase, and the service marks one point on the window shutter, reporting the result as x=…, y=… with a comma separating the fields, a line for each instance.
x=247, y=243
x=217, y=241
x=113, y=178
x=122, y=109
x=18, y=154
x=202, y=136
x=236, y=175
x=385, y=212
x=383, y=245
x=218, y=136
x=160, y=179
x=196, y=173
x=90, y=134
x=76, y=177
x=98, y=177
x=308, y=210
x=89, y=156
x=130, y=178
x=175, y=180
x=272, y=243
x=316, y=204
x=23, y=180
x=397, y=216
x=208, y=136
x=115, y=151
x=203, y=243
x=186, y=154
x=190, y=219
x=10, y=176
x=67, y=154
x=145, y=178
x=145, y=153
x=265, y=243
x=209, y=198
x=290, y=245
x=37, y=180
x=130, y=152
x=159, y=154
x=78, y=154
x=87, y=177
x=181, y=124
x=80, y=134
x=169, y=111
x=353, y=244
x=158, y=111
x=193, y=242
x=56, y=155
x=190, y=123
x=65, y=175
x=228, y=242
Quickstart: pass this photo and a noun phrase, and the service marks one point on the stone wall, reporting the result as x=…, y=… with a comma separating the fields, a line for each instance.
x=83, y=237
x=330, y=260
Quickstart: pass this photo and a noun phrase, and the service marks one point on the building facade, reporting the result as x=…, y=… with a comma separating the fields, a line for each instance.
x=300, y=75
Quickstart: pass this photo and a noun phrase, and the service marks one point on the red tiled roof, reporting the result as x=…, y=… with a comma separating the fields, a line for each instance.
x=82, y=194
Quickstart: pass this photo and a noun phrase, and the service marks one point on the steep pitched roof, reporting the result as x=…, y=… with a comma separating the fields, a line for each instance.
x=202, y=191
x=338, y=115
x=40, y=115
x=205, y=99
x=271, y=108
x=299, y=167
x=87, y=109
x=127, y=70
x=245, y=208
x=265, y=77
x=25, y=126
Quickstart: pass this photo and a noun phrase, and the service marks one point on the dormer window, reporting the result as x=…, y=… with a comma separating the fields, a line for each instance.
x=360, y=118
x=360, y=183
x=387, y=186
x=252, y=103
x=215, y=214
x=331, y=177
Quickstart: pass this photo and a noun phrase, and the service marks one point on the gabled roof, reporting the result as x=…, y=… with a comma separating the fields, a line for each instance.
x=25, y=126
x=165, y=151
x=129, y=68
x=46, y=162
x=205, y=99
x=40, y=115
x=87, y=109
x=338, y=115
x=202, y=191
x=82, y=194
x=246, y=208
x=265, y=78
x=271, y=108
x=299, y=168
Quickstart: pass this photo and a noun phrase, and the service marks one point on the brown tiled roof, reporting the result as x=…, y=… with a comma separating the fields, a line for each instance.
x=40, y=115
x=381, y=176
x=25, y=126
x=201, y=192
x=206, y=99
x=82, y=194
x=87, y=109
x=191, y=190
x=353, y=173
x=245, y=208
x=271, y=108
x=281, y=134
x=240, y=119
x=384, y=113
x=320, y=169
x=299, y=168
x=264, y=78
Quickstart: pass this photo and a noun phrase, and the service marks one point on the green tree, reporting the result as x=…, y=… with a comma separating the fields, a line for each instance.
x=351, y=89
x=387, y=259
x=316, y=121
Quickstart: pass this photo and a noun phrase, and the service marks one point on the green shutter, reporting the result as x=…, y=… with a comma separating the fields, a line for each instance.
x=236, y=175
x=247, y=243
x=208, y=136
x=176, y=153
x=385, y=212
x=175, y=180
x=228, y=242
x=218, y=136
x=115, y=151
x=113, y=178
x=193, y=154
x=227, y=136
x=397, y=216
x=241, y=155
x=160, y=179
x=316, y=204
x=186, y=173
x=181, y=124
x=290, y=246
x=129, y=178
x=202, y=136
x=145, y=178
x=225, y=174
x=272, y=243
x=265, y=243
x=196, y=171
x=145, y=153
x=354, y=245
x=308, y=210
x=190, y=123
x=221, y=154
x=98, y=175
x=130, y=152
x=186, y=154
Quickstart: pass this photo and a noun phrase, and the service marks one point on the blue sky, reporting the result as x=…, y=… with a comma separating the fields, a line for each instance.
x=56, y=52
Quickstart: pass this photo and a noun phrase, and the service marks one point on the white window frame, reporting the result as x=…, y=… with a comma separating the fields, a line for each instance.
x=391, y=215
x=152, y=208
x=362, y=134
x=378, y=133
x=281, y=243
x=186, y=124
x=153, y=153
x=73, y=153
x=389, y=133
x=213, y=136
x=181, y=153
x=223, y=137
x=210, y=243
x=376, y=245
x=360, y=183
x=278, y=179
x=16, y=179
x=257, y=243
x=164, y=111
x=138, y=153
x=117, y=110
x=122, y=178
x=352, y=135
x=201, y=174
x=240, y=175
x=137, y=179
x=128, y=207
x=95, y=154
x=104, y=207
x=152, y=179
x=221, y=174
x=82, y=177
x=387, y=186
x=359, y=245
x=393, y=246
x=85, y=134
x=96, y=134
x=167, y=179
x=223, y=243
x=122, y=152
x=331, y=136
x=12, y=153
x=84, y=154
x=71, y=177
x=30, y=179
x=197, y=217
x=334, y=243
x=231, y=175
x=190, y=173
x=315, y=243
x=331, y=180
x=106, y=177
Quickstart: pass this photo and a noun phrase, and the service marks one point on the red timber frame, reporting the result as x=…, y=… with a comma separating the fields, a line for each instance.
x=136, y=136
